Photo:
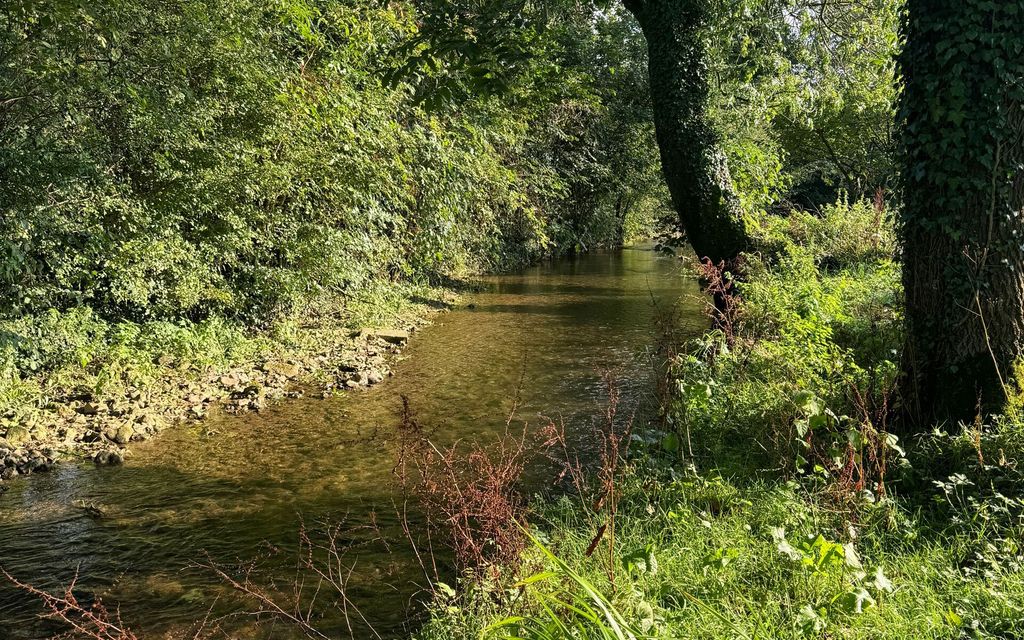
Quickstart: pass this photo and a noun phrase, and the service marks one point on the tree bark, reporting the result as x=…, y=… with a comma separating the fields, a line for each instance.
x=693, y=163
x=962, y=223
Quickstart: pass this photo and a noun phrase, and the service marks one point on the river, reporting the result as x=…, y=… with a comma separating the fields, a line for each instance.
x=235, y=488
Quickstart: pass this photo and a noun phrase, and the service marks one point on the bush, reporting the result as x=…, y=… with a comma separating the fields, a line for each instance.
x=245, y=159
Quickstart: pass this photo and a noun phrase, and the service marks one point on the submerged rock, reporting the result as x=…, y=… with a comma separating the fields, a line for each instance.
x=90, y=509
x=110, y=457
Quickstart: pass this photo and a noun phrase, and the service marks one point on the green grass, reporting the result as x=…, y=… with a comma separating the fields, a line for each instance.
x=715, y=566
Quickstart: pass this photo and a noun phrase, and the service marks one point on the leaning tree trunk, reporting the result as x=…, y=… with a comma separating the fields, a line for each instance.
x=962, y=223
x=694, y=166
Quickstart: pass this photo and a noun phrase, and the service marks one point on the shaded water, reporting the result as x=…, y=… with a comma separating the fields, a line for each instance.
x=550, y=332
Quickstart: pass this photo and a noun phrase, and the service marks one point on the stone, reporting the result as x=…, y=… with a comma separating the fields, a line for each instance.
x=89, y=408
x=393, y=336
x=37, y=464
x=123, y=434
x=374, y=377
x=351, y=384
x=229, y=381
x=118, y=409
x=18, y=434
x=108, y=457
x=253, y=391
x=286, y=369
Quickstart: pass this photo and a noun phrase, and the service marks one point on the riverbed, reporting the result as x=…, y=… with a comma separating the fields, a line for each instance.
x=234, y=488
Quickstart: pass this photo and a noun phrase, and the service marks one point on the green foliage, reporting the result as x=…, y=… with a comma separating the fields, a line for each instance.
x=804, y=97
x=576, y=610
x=842, y=235
x=244, y=159
x=792, y=569
x=820, y=318
x=239, y=165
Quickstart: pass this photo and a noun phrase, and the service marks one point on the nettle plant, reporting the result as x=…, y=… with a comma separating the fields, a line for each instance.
x=852, y=587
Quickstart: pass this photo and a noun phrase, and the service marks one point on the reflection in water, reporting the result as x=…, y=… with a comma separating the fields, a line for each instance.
x=550, y=331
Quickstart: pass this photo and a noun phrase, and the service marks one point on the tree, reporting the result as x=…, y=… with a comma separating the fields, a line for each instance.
x=962, y=224
x=694, y=165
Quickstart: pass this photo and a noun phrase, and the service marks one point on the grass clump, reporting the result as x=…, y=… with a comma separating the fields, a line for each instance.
x=774, y=502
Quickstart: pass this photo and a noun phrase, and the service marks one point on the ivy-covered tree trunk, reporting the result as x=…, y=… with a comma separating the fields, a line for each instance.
x=695, y=167
x=962, y=223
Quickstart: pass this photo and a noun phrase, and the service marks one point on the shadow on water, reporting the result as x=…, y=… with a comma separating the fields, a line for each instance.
x=134, y=532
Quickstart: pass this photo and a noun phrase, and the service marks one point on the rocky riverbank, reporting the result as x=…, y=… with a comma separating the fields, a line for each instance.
x=102, y=428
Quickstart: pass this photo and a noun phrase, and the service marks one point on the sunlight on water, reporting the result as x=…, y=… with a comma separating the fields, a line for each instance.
x=548, y=332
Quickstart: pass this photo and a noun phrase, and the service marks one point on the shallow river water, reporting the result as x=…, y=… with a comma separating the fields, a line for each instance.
x=235, y=488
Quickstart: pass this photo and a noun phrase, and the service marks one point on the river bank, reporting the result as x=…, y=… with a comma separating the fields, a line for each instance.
x=774, y=501
x=97, y=409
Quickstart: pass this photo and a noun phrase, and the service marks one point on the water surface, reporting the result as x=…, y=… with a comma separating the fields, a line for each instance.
x=545, y=335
